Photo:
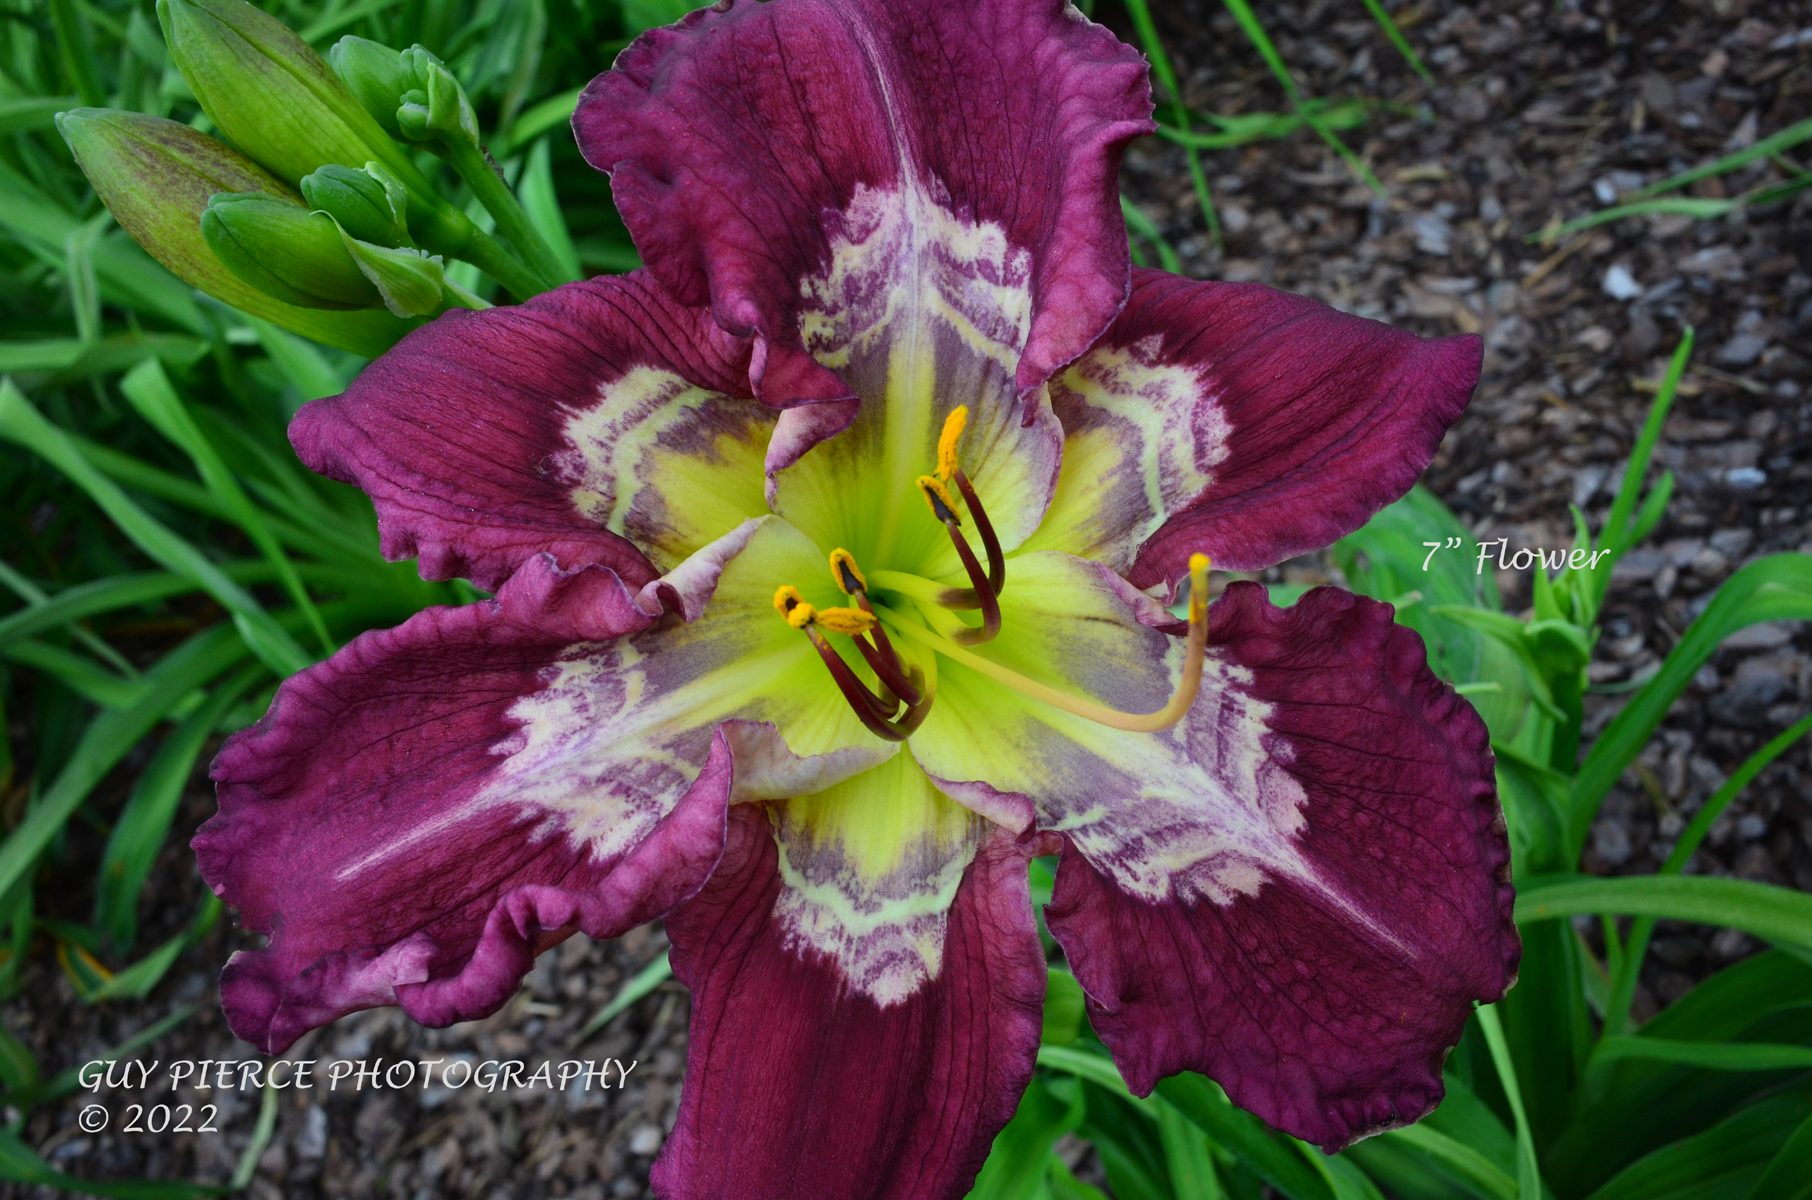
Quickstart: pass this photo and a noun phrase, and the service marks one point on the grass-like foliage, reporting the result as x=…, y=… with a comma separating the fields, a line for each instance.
x=167, y=561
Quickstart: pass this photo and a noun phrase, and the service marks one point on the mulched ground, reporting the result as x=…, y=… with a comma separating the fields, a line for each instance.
x=1536, y=111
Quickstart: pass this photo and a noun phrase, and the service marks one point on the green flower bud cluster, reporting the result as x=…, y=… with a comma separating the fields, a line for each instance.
x=307, y=258
x=410, y=93
x=369, y=230
x=157, y=177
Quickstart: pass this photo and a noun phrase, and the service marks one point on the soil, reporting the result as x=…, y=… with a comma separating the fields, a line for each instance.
x=1537, y=111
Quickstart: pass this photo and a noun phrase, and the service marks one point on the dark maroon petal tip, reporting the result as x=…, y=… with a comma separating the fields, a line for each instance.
x=1272, y=424
x=472, y=439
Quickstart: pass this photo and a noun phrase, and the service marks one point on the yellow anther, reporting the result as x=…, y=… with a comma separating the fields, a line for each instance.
x=938, y=497
x=800, y=615
x=946, y=441
x=845, y=620
x=845, y=572
x=1198, y=587
x=786, y=599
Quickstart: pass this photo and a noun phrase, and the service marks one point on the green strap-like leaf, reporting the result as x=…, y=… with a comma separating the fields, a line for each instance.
x=20, y=1164
x=22, y=423
x=150, y=391
x=108, y=738
x=1774, y=914
x=1468, y=1165
x=1095, y=1067
x=1273, y=1158
x=1770, y=589
x=139, y=832
x=1528, y=1170
x=1789, y=1175
x=1718, y=1056
x=640, y=984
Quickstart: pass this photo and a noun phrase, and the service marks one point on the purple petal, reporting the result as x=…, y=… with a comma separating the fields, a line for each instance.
x=377, y=826
x=1242, y=422
x=1321, y=986
x=487, y=438
x=798, y=1085
x=811, y=169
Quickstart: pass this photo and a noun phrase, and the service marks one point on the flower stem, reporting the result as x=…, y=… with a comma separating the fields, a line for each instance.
x=488, y=255
x=442, y=229
x=461, y=297
x=473, y=167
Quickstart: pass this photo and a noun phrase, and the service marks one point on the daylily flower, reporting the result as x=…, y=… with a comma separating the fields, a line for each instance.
x=829, y=556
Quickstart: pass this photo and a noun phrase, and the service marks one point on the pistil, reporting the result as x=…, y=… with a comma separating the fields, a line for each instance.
x=1152, y=722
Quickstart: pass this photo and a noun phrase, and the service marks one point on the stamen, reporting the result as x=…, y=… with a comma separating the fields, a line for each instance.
x=882, y=660
x=870, y=709
x=938, y=497
x=1164, y=718
x=851, y=621
x=946, y=441
x=848, y=575
x=875, y=712
x=990, y=603
x=948, y=471
x=881, y=656
x=997, y=562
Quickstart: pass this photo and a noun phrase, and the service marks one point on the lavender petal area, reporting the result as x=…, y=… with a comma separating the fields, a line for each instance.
x=364, y=825
x=409, y=803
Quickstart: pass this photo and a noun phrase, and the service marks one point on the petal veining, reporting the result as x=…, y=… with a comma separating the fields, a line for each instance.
x=798, y=1085
x=367, y=823
x=1323, y=1000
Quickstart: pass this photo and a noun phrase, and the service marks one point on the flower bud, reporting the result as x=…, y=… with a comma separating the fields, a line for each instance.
x=156, y=177
x=276, y=99
x=410, y=93
x=408, y=280
x=435, y=107
x=374, y=73
x=286, y=251
x=370, y=204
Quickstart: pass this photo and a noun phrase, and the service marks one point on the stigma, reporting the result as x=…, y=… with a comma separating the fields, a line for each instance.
x=1180, y=700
